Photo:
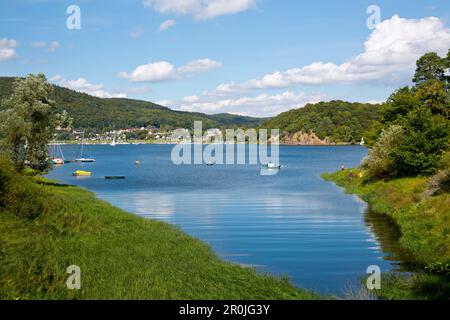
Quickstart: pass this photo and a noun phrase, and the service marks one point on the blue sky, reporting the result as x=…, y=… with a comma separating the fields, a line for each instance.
x=254, y=57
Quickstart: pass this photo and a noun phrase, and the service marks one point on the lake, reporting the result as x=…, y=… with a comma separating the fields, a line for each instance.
x=291, y=224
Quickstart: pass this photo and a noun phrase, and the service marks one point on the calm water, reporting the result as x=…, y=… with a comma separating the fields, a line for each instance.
x=292, y=224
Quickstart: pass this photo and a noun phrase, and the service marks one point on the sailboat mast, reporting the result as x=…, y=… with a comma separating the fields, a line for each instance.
x=82, y=142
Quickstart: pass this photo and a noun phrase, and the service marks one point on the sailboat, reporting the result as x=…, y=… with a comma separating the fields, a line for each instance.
x=56, y=154
x=81, y=158
x=271, y=165
x=113, y=143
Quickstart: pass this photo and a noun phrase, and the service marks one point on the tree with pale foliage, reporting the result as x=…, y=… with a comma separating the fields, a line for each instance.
x=28, y=122
x=379, y=163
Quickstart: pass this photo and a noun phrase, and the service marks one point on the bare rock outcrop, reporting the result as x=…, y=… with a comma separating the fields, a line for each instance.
x=305, y=138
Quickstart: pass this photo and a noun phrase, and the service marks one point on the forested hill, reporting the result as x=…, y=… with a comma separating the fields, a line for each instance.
x=98, y=114
x=339, y=121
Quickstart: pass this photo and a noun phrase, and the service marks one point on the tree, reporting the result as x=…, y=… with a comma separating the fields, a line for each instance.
x=425, y=138
x=423, y=112
x=430, y=67
x=447, y=70
x=28, y=123
x=433, y=95
x=378, y=163
x=399, y=104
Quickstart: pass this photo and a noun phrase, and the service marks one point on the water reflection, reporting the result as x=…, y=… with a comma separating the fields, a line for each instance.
x=291, y=224
x=387, y=235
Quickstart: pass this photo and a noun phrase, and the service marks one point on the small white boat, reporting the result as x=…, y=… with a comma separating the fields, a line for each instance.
x=85, y=160
x=58, y=161
x=80, y=157
x=271, y=165
x=113, y=143
x=362, y=142
x=56, y=154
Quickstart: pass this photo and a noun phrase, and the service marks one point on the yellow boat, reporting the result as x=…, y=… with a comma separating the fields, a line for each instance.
x=79, y=173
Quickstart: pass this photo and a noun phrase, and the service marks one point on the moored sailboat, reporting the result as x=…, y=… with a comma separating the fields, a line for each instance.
x=81, y=158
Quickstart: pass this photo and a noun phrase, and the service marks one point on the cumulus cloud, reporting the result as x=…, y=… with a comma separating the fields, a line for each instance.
x=165, y=102
x=190, y=99
x=199, y=66
x=82, y=85
x=167, y=24
x=7, y=49
x=262, y=105
x=165, y=71
x=389, y=57
x=151, y=72
x=201, y=9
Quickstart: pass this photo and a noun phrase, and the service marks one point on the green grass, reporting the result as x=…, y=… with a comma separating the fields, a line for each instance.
x=46, y=227
x=424, y=224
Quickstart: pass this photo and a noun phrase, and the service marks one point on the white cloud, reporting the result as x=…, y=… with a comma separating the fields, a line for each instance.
x=201, y=9
x=199, y=66
x=190, y=99
x=82, y=85
x=54, y=45
x=136, y=33
x=262, y=105
x=167, y=24
x=165, y=71
x=7, y=49
x=389, y=56
x=165, y=102
x=151, y=72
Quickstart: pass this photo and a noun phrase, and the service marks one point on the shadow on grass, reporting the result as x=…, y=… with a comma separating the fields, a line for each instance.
x=53, y=184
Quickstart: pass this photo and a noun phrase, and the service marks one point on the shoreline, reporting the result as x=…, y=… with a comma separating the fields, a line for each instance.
x=174, y=143
x=120, y=255
x=424, y=248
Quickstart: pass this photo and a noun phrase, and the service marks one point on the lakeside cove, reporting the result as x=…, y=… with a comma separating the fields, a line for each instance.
x=121, y=255
x=421, y=229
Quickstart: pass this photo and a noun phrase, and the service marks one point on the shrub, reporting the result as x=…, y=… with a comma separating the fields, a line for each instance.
x=378, y=163
x=17, y=195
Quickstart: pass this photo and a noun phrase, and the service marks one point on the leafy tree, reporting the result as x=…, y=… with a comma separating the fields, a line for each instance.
x=423, y=112
x=372, y=133
x=430, y=67
x=433, y=95
x=425, y=138
x=447, y=70
x=28, y=122
x=399, y=104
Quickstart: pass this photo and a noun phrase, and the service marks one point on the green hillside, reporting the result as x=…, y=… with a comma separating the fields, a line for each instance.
x=338, y=120
x=97, y=114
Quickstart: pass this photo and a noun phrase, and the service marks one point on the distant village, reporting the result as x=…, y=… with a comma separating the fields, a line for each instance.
x=142, y=134
x=151, y=134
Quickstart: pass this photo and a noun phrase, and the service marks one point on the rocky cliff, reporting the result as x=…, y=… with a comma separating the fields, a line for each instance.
x=304, y=138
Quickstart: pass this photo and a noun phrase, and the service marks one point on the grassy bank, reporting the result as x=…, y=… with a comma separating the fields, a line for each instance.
x=424, y=224
x=46, y=227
